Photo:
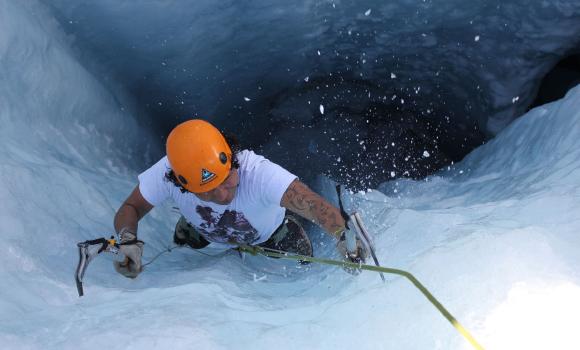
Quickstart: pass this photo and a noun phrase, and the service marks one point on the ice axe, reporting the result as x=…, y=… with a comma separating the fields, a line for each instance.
x=88, y=250
x=361, y=231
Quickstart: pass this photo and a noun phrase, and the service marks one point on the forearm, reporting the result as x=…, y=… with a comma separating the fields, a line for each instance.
x=131, y=211
x=308, y=204
x=127, y=216
x=328, y=217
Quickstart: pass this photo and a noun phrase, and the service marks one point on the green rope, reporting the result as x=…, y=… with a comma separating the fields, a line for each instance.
x=255, y=250
x=176, y=246
x=167, y=250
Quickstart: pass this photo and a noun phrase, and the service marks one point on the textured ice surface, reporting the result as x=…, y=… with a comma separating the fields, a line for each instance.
x=477, y=55
x=494, y=238
x=434, y=75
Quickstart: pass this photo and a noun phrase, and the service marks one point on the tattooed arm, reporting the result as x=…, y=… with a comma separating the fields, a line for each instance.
x=303, y=201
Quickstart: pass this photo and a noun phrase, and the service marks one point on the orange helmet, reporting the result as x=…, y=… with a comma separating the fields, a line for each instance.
x=199, y=155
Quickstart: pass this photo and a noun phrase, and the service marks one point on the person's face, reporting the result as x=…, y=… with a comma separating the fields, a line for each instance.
x=225, y=192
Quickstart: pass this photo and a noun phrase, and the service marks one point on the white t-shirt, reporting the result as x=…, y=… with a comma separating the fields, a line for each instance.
x=251, y=217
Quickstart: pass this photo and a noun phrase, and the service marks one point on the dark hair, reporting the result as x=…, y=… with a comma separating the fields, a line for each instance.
x=234, y=144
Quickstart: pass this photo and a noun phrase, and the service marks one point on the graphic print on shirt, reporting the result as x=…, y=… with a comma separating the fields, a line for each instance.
x=229, y=227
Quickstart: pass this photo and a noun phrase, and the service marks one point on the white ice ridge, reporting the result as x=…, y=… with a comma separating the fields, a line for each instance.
x=494, y=238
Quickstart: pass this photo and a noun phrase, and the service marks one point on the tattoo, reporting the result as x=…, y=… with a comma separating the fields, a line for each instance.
x=306, y=203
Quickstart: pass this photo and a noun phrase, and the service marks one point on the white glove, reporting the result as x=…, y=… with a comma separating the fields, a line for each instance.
x=358, y=255
x=133, y=250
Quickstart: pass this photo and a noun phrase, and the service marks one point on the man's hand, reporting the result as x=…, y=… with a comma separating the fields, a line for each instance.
x=358, y=255
x=133, y=250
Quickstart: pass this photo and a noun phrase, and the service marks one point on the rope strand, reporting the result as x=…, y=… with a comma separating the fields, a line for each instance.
x=168, y=250
x=255, y=250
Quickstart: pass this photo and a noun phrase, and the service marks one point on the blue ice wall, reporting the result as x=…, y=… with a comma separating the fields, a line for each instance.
x=64, y=137
x=494, y=237
x=444, y=75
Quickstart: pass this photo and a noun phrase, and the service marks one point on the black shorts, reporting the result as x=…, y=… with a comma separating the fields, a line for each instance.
x=185, y=233
x=289, y=237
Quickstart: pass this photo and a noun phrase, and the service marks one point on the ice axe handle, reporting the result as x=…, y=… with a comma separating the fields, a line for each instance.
x=341, y=207
x=349, y=236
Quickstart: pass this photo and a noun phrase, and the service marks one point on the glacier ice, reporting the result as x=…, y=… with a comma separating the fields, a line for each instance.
x=494, y=237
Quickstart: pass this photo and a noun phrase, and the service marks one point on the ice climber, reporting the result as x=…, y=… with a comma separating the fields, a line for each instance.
x=225, y=195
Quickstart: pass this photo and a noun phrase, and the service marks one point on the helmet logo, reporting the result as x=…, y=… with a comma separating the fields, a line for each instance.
x=206, y=176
